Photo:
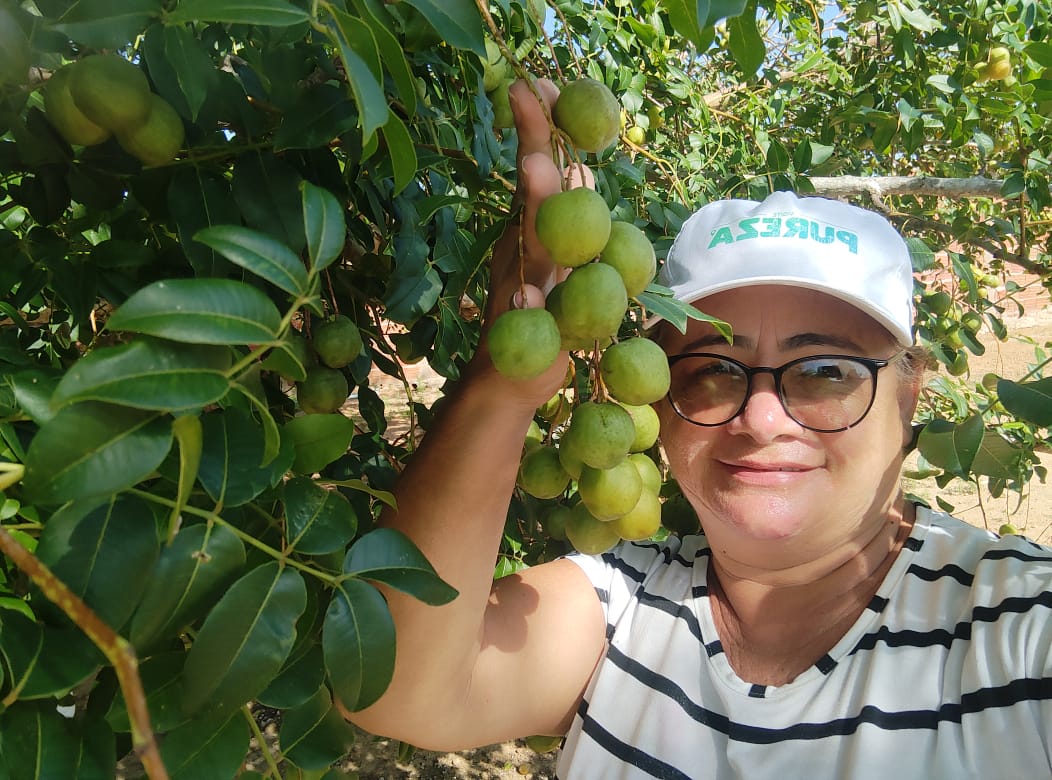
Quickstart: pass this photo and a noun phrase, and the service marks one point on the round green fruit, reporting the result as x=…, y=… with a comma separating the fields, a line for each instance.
x=15, y=57
x=157, y=140
x=630, y=252
x=612, y=492
x=523, y=343
x=570, y=456
x=647, y=425
x=635, y=371
x=648, y=471
x=939, y=302
x=503, y=116
x=64, y=115
x=337, y=341
x=555, y=522
x=588, y=112
x=600, y=434
x=589, y=304
x=642, y=521
x=573, y=225
x=534, y=436
x=495, y=69
x=111, y=91
x=958, y=365
x=1007, y=529
x=541, y=474
x=972, y=321
x=656, y=118
x=323, y=391
x=587, y=534
x=636, y=135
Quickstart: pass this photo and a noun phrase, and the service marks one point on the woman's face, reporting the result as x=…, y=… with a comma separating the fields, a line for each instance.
x=762, y=480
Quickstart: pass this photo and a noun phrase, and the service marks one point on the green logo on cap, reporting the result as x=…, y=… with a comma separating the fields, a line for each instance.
x=777, y=227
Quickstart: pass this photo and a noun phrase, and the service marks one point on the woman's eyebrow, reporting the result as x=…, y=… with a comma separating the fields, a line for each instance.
x=809, y=339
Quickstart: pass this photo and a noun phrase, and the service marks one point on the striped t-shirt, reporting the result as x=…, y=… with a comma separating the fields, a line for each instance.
x=946, y=674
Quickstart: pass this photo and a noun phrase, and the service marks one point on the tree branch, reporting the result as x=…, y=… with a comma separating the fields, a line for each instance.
x=878, y=187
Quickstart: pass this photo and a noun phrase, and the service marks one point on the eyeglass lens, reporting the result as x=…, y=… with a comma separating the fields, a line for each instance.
x=823, y=393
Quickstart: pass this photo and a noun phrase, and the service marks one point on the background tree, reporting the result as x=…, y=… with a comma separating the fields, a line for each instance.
x=180, y=290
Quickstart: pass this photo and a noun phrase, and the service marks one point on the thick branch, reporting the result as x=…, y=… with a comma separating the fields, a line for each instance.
x=878, y=187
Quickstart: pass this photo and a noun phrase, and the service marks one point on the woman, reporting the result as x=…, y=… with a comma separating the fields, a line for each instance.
x=821, y=627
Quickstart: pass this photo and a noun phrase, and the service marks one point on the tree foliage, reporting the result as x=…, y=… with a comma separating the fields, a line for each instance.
x=164, y=496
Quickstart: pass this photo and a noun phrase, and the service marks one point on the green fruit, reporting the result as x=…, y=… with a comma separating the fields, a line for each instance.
x=573, y=225
x=648, y=472
x=556, y=409
x=534, y=436
x=63, y=113
x=612, y=492
x=337, y=341
x=291, y=358
x=642, y=521
x=958, y=366
x=990, y=380
x=157, y=140
x=541, y=474
x=600, y=433
x=555, y=522
x=656, y=118
x=588, y=535
x=495, y=69
x=588, y=112
x=679, y=517
x=972, y=321
x=635, y=371
x=523, y=343
x=111, y=91
x=636, y=135
x=570, y=456
x=15, y=57
x=323, y=391
x=647, y=425
x=1007, y=529
x=405, y=349
x=938, y=302
x=630, y=252
x=503, y=117
x=589, y=304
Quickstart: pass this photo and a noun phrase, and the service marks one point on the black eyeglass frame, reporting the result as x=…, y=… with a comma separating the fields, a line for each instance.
x=872, y=364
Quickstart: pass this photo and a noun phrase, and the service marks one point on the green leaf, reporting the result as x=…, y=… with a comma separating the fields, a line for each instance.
x=200, y=311
x=349, y=34
x=230, y=458
x=107, y=24
x=191, y=574
x=196, y=199
x=357, y=484
x=94, y=449
x=1030, y=401
x=40, y=744
x=249, y=386
x=104, y=555
x=320, y=115
x=190, y=437
x=997, y=457
x=722, y=9
x=658, y=302
x=950, y=446
x=206, y=747
x=270, y=13
x=259, y=253
x=410, y=296
x=746, y=44
x=314, y=735
x=687, y=18
x=147, y=374
x=324, y=226
x=921, y=256
x=318, y=440
x=180, y=68
x=389, y=556
x=162, y=684
x=318, y=521
x=457, y=21
x=45, y=661
x=298, y=681
x=402, y=152
x=391, y=52
x=358, y=639
x=1040, y=52
x=267, y=191
x=244, y=641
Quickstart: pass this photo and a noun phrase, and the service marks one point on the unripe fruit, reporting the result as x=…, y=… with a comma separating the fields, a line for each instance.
x=111, y=91
x=589, y=304
x=630, y=252
x=323, y=391
x=588, y=112
x=647, y=425
x=570, y=456
x=648, y=472
x=612, y=492
x=555, y=522
x=63, y=113
x=556, y=409
x=588, y=535
x=541, y=474
x=600, y=433
x=523, y=343
x=1007, y=529
x=938, y=302
x=972, y=321
x=573, y=226
x=534, y=436
x=958, y=366
x=337, y=342
x=657, y=119
x=636, y=135
x=157, y=140
x=642, y=521
x=495, y=69
x=503, y=116
x=635, y=371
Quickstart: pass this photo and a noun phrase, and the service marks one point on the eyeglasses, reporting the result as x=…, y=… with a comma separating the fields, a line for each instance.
x=823, y=393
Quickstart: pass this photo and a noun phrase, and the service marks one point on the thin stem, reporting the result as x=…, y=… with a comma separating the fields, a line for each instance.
x=261, y=739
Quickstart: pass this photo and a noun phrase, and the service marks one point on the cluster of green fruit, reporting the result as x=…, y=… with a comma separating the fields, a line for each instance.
x=104, y=95
x=998, y=66
x=945, y=323
x=316, y=365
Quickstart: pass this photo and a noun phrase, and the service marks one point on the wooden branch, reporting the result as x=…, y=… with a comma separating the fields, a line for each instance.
x=116, y=648
x=878, y=187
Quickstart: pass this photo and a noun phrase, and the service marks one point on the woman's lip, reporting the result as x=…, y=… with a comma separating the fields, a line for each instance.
x=766, y=472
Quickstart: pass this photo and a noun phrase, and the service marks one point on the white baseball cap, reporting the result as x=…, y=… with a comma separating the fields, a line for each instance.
x=842, y=250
